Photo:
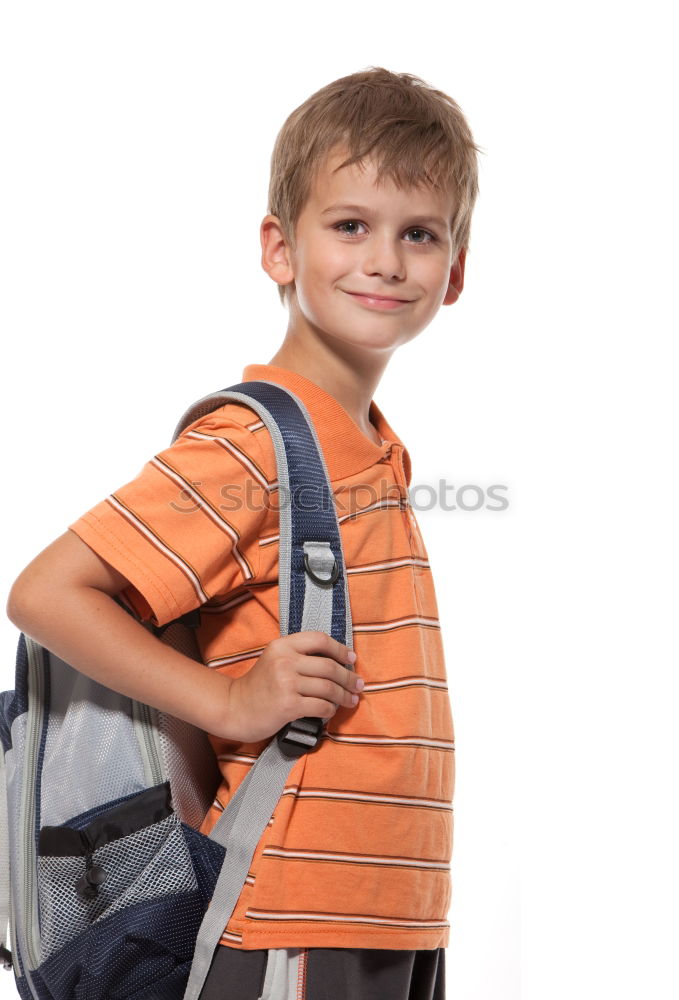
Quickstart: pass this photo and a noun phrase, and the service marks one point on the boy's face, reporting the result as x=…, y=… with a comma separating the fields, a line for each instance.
x=389, y=242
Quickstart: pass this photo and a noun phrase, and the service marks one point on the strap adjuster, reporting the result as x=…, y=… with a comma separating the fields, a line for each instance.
x=300, y=736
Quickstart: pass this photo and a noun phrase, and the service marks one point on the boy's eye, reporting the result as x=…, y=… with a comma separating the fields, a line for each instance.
x=423, y=232
x=415, y=229
x=350, y=222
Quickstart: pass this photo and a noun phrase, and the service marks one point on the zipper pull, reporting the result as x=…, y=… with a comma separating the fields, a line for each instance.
x=88, y=884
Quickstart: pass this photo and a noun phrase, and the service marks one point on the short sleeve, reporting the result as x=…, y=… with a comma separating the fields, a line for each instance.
x=187, y=528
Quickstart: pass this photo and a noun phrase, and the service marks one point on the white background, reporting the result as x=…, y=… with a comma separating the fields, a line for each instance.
x=136, y=141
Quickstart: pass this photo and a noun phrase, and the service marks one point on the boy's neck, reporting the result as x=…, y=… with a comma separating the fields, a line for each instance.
x=351, y=384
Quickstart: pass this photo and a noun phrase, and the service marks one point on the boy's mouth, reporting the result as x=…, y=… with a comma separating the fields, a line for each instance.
x=370, y=297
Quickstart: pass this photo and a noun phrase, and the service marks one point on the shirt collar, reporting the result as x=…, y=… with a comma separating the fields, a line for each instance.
x=346, y=448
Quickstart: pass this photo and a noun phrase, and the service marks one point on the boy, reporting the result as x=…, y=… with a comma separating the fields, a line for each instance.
x=373, y=182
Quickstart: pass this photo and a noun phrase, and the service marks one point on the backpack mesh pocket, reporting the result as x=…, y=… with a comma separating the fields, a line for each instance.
x=153, y=861
x=122, y=891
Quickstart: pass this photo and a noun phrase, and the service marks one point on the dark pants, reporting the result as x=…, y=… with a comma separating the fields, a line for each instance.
x=325, y=974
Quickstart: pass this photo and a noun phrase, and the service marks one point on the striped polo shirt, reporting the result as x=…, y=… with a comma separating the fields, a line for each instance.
x=357, y=853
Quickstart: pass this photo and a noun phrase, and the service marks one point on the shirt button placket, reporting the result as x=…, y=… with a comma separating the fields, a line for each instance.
x=400, y=477
x=414, y=536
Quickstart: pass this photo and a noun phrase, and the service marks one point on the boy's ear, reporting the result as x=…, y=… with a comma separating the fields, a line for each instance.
x=456, y=283
x=275, y=250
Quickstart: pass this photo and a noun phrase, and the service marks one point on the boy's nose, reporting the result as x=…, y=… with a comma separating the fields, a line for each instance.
x=383, y=258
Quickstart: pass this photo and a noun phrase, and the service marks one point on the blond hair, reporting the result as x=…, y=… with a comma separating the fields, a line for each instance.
x=417, y=136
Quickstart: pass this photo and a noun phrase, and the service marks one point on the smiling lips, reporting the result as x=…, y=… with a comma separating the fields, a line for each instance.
x=379, y=298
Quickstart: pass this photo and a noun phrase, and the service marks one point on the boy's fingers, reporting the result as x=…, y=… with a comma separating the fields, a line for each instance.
x=321, y=642
x=328, y=690
x=322, y=666
x=351, y=681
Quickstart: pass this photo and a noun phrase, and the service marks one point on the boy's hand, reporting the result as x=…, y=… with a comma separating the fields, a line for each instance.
x=297, y=675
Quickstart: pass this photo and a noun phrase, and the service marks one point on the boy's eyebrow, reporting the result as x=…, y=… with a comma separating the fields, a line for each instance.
x=362, y=210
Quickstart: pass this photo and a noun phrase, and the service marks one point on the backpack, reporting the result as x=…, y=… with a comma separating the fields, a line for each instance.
x=110, y=890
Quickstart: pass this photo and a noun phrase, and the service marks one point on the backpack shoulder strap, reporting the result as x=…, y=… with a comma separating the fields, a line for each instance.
x=313, y=596
x=301, y=472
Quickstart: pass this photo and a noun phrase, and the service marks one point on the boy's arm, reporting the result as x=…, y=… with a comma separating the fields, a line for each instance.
x=63, y=600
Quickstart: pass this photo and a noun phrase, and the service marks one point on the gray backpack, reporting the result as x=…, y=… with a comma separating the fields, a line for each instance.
x=109, y=889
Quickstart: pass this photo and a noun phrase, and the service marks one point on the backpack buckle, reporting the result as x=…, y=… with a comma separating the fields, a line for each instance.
x=300, y=736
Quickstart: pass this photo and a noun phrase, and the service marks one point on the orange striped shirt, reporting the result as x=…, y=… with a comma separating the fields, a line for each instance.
x=357, y=853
